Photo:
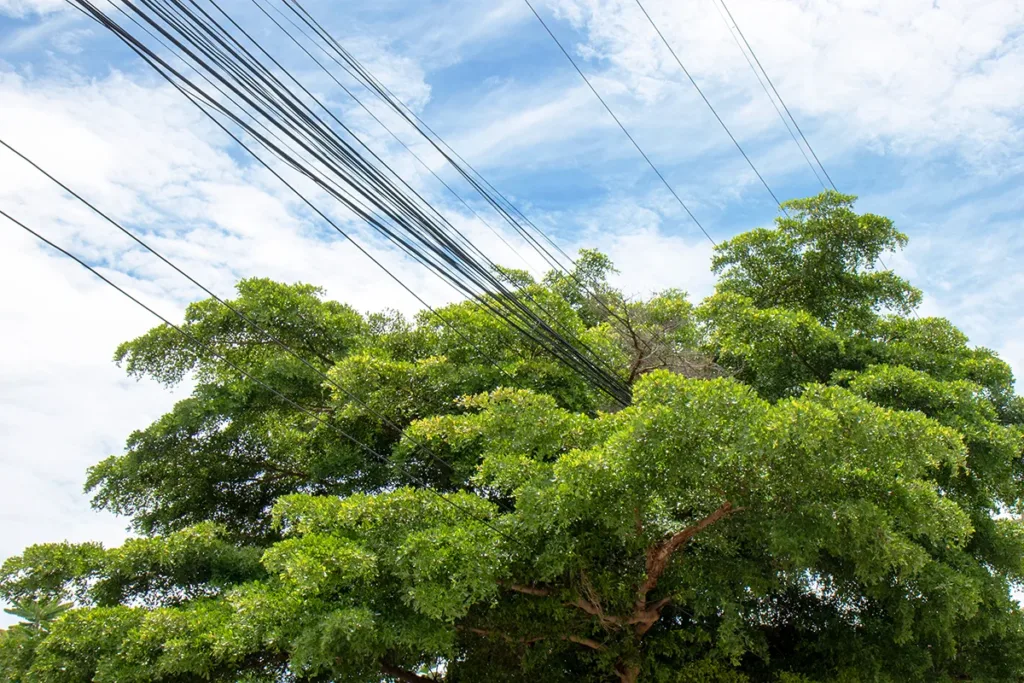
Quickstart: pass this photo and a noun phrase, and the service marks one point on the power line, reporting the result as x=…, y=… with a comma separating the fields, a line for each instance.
x=239, y=314
x=616, y=118
x=489, y=262
x=351, y=65
x=452, y=256
x=383, y=125
x=209, y=348
x=774, y=90
x=411, y=223
x=786, y=108
x=504, y=207
x=789, y=128
x=710, y=106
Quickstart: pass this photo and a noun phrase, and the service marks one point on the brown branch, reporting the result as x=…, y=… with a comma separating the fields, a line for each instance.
x=527, y=590
x=595, y=611
x=591, y=595
x=580, y=603
x=644, y=615
x=659, y=555
x=585, y=642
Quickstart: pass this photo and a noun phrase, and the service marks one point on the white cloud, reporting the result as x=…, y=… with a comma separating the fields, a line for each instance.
x=21, y=8
x=911, y=74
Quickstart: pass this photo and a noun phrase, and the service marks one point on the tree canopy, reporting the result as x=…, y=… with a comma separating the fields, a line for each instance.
x=811, y=484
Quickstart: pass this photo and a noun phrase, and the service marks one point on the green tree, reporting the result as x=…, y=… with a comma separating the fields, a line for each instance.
x=810, y=485
x=37, y=614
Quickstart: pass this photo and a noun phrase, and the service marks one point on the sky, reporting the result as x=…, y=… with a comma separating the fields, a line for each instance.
x=916, y=107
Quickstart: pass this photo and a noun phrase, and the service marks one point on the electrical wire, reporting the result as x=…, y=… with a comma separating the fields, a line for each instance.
x=785, y=121
x=209, y=349
x=789, y=114
x=710, y=106
x=412, y=224
x=499, y=202
x=620, y=124
x=279, y=92
x=774, y=90
x=247, y=320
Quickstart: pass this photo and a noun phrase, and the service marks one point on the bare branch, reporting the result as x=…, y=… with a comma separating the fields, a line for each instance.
x=528, y=590
x=659, y=555
x=585, y=642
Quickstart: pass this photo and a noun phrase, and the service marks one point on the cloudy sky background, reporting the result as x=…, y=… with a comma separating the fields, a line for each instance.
x=916, y=106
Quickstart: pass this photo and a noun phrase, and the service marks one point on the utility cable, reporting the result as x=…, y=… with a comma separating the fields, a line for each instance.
x=262, y=330
x=710, y=106
x=502, y=204
x=764, y=87
x=209, y=349
x=324, y=149
x=774, y=90
x=616, y=118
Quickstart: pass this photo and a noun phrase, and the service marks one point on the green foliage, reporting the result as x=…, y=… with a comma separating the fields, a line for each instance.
x=37, y=614
x=818, y=259
x=808, y=487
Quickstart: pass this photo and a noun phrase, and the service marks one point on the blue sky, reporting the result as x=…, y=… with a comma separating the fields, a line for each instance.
x=916, y=106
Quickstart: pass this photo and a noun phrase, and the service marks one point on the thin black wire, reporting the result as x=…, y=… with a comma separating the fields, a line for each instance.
x=209, y=348
x=242, y=316
x=351, y=65
x=616, y=118
x=782, y=101
x=383, y=125
x=505, y=294
x=710, y=106
x=505, y=208
x=775, y=105
x=788, y=112
x=564, y=351
x=489, y=262
x=200, y=105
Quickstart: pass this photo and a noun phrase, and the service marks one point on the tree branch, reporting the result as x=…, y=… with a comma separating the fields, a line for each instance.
x=595, y=611
x=659, y=555
x=585, y=642
x=528, y=590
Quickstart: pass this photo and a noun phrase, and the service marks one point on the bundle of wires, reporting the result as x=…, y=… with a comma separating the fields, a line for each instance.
x=249, y=94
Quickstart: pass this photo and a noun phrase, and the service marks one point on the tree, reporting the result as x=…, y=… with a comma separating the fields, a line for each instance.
x=37, y=614
x=809, y=485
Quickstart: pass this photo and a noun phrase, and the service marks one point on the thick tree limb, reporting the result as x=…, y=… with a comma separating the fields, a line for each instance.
x=585, y=642
x=594, y=610
x=528, y=590
x=659, y=555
